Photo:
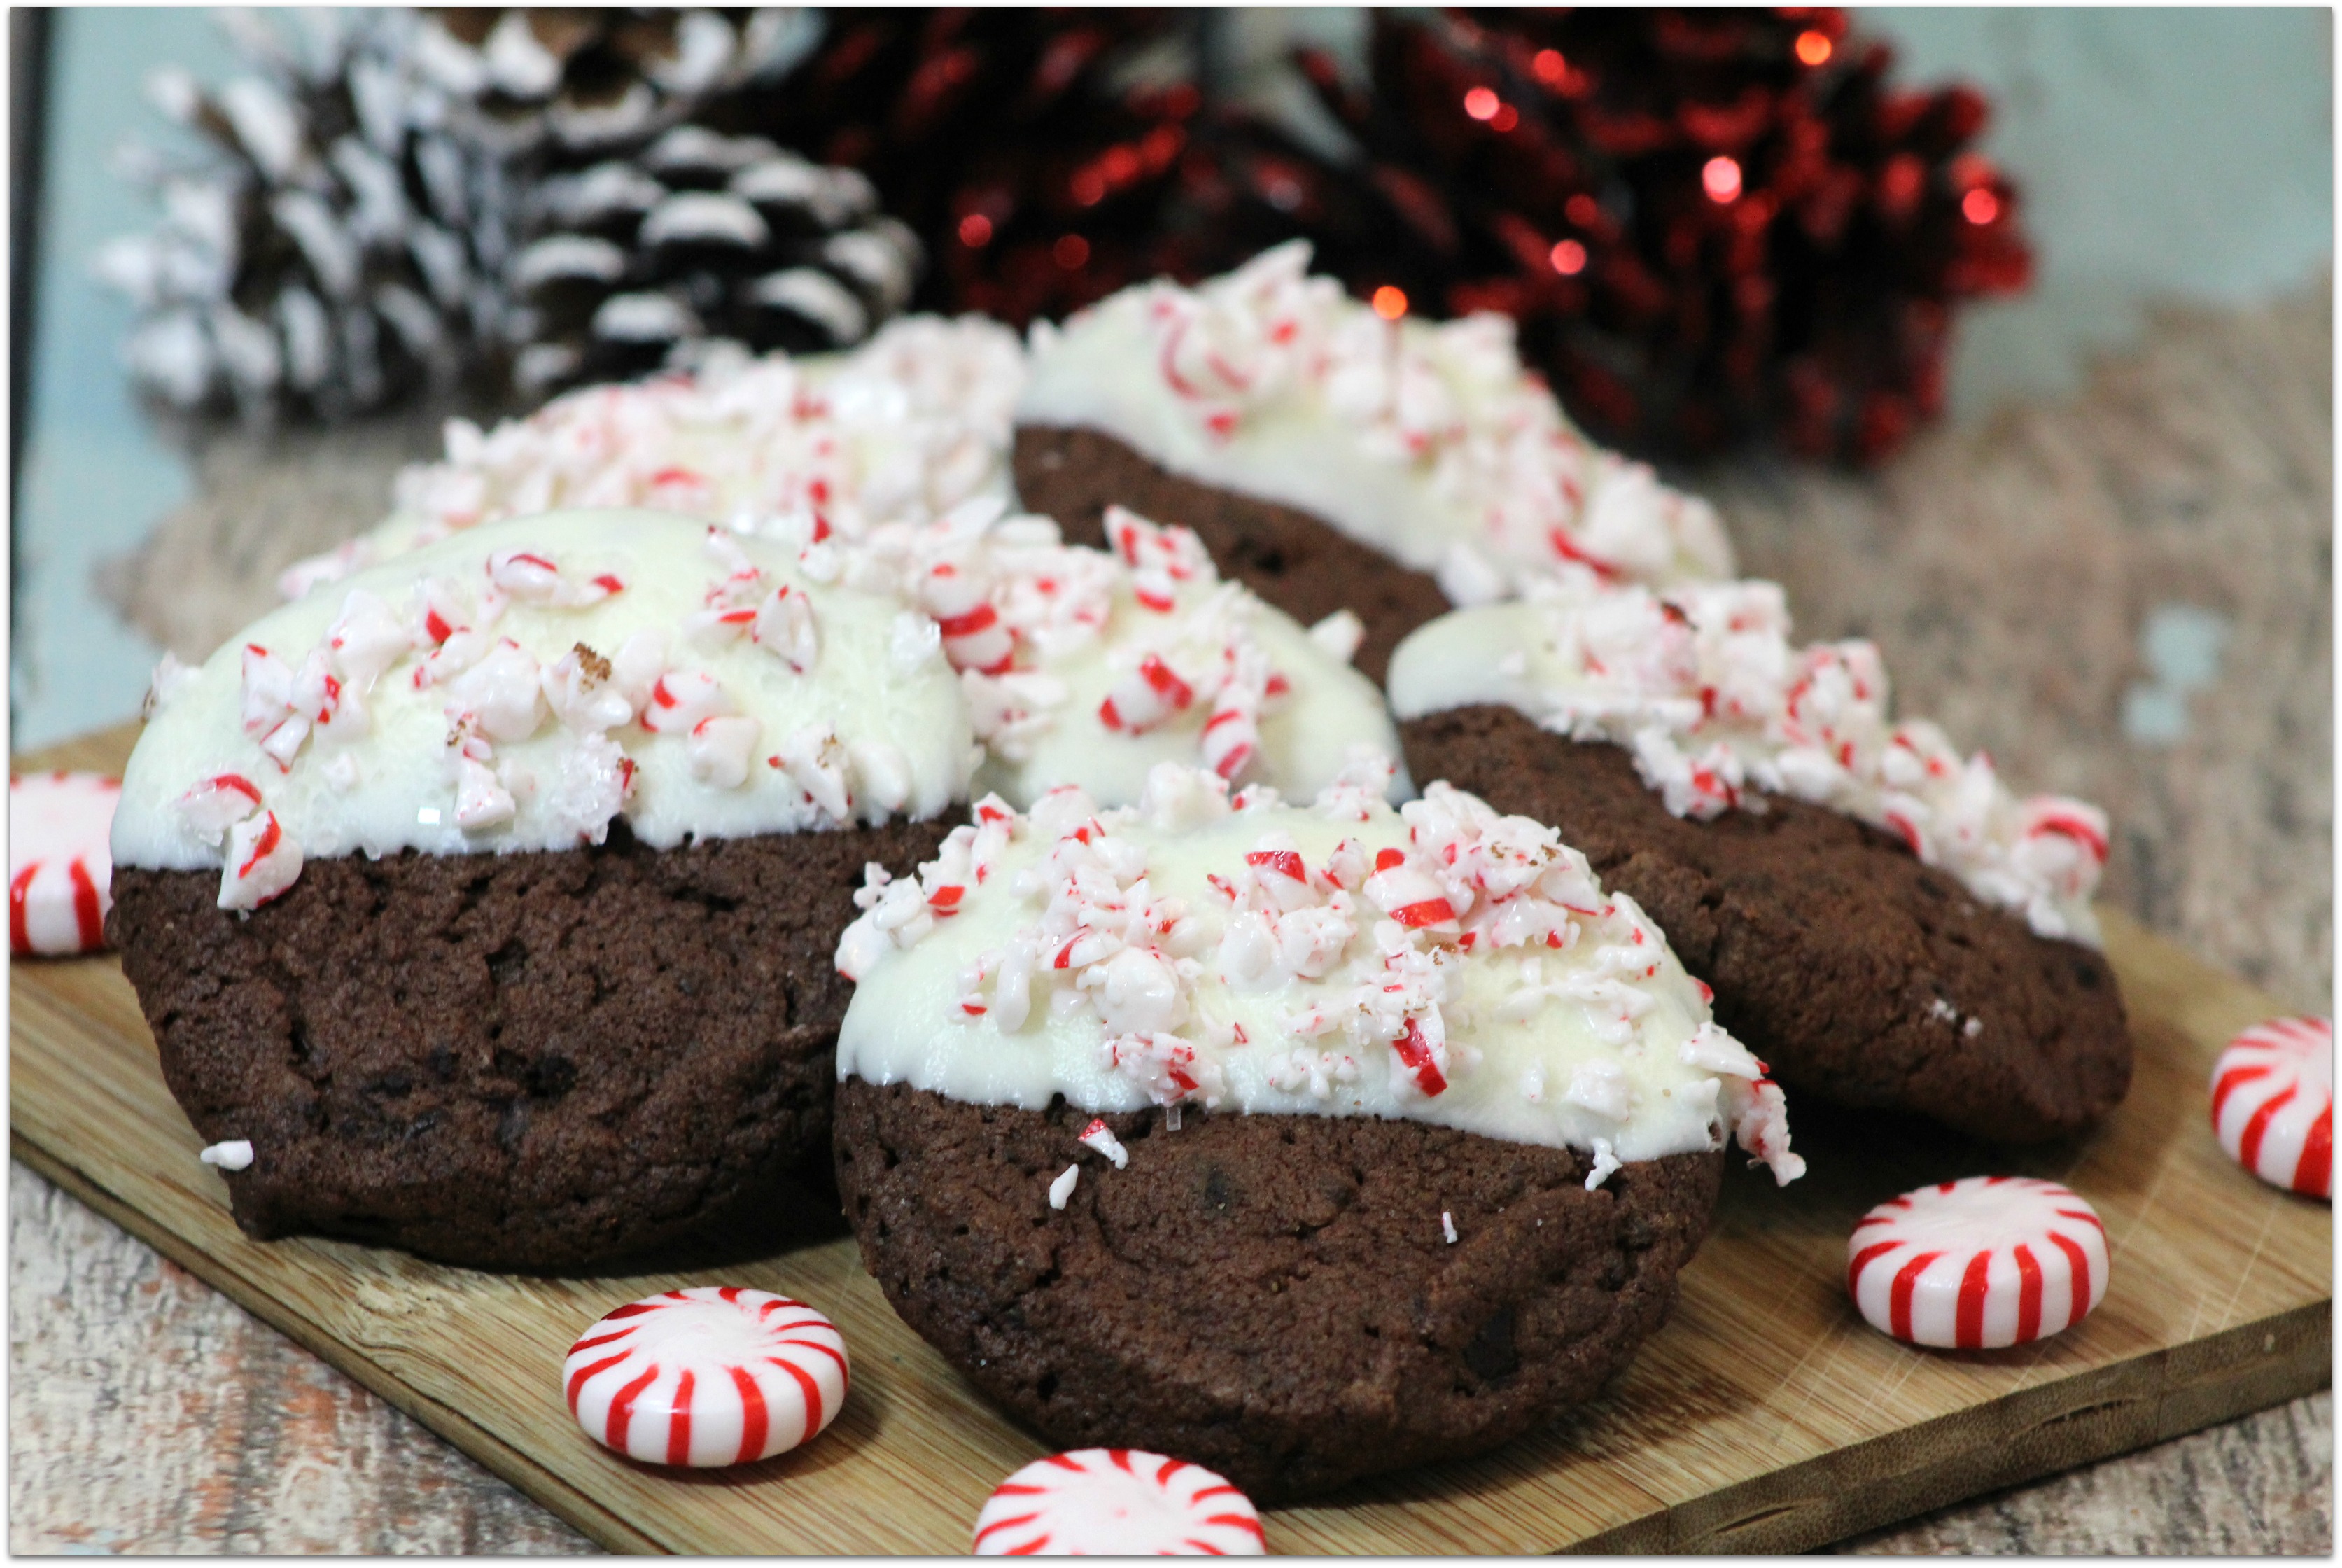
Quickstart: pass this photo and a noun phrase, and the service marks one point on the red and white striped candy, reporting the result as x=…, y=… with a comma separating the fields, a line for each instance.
x=1117, y=1503
x=1978, y=1263
x=60, y=875
x=2273, y=1103
x=1141, y=698
x=715, y=1375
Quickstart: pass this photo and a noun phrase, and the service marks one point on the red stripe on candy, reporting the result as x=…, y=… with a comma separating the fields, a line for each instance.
x=2080, y=1301
x=829, y=1351
x=261, y=846
x=20, y=936
x=2313, y=1174
x=577, y=1379
x=754, y=1421
x=622, y=1408
x=1898, y=1302
x=2029, y=1296
x=1236, y=1521
x=1007, y=1523
x=2249, y=1149
x=2234, y=1078
x=1967, y=1332
x=87, y=915
x=1861, y=1260
x=981, y=618
x=812, y=1392
x=678, y=1426
x=600, y=1339
x=1414, y=1051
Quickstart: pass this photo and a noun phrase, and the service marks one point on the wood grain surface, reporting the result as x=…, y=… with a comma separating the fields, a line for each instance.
x=1765, y=1416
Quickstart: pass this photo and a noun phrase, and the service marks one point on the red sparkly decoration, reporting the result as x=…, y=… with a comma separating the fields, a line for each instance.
x=1712, y=226
x=1012, y=141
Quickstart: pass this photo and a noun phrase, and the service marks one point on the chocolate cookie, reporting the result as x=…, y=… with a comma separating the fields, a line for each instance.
x=1271, y=1296
x=1860, y=974
x=1304, y=566
x=529, y=1060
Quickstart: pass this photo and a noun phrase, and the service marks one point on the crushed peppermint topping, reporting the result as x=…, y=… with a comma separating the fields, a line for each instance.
x=1365, y=948
x=1014, y=606
x=1449, y=403
x=1702, y=685
x=903, y=428
x=1099, y=1136
x=492, y=694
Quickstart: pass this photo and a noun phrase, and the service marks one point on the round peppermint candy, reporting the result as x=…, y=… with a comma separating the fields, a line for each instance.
x=2273, y=1103
x=60, y=875
x=715, y=1375
x=1117, y=1503
x=1978, y=1263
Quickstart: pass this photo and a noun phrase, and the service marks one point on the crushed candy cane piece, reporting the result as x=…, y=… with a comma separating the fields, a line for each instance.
x=263, y=860
x=1099, y=1136
x=235, y=1154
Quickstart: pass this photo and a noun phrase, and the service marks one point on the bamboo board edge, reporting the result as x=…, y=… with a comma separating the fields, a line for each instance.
x=1873, y=1484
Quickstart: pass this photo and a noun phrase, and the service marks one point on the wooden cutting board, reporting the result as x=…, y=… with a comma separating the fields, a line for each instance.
x=1764, y=1417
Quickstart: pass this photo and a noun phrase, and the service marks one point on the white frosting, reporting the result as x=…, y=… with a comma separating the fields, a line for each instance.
x=1429, y=441
x=519, y=684
x=1438, y=963
x=1702, y=685
x=903, y=428
x=1088, y=667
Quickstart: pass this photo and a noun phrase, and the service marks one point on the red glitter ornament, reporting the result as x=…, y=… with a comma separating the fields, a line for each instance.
x=1712, y=226
x=1010, y=139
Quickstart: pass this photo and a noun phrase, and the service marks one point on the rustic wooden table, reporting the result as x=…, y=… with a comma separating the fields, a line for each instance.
x=2126, y=597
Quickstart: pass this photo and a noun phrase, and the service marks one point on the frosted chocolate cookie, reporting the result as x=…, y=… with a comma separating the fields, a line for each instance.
x=1330, y=458
x=1302, y=1142
x=489, y=897
x=901, y=429
x=1881, y=919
